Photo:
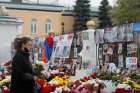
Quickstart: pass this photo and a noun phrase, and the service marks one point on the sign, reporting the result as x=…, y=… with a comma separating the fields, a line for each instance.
x=131, y=63
x=63, y=46
x=131, y=48
x=85, y=36
x=123, y=33
x=99, y=35
x=136, y=27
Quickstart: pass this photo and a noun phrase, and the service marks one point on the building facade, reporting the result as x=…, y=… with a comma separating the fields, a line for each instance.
x=39, y=19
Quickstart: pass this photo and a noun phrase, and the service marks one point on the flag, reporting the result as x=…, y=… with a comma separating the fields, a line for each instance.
x=44, y=59
x=49, y=47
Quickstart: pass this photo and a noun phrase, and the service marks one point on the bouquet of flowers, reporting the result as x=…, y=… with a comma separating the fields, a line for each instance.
x=132, y=84
x=123, y=88
x=5, y=82
x=47, y=88
x=44, y=86
x=5, y=89
x=61, y=81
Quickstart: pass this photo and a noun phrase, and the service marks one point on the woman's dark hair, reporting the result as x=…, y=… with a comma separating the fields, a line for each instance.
x=16, y=42
x=22, y=41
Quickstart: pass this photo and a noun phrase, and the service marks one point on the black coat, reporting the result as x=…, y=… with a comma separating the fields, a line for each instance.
x=22, y=78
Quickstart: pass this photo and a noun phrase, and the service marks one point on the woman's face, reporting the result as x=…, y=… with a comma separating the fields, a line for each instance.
x=28, y=45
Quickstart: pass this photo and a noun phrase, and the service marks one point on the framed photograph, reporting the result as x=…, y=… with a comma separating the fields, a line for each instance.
x=99, y=36
x=108, y=36
x=85, y=36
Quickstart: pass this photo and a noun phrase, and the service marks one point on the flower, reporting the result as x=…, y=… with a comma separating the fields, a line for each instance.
x=41, y=82
x=47, y=88
x=132, y=83
x=86, y=78
x=67, y=82
x=94, y=75
x=5, y=89
x=5, y=82
x=57, y=81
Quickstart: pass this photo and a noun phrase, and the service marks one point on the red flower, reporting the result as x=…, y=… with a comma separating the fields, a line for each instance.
x=119, y=90
x=86, y=78
x=94, y=75
x=6, y=90
x=47, y=89
x=41, y=82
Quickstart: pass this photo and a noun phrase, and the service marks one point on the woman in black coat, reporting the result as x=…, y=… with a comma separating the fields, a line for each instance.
x=22, y=78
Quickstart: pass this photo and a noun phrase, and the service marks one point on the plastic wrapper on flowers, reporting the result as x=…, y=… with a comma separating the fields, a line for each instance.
x=128, y=86
x=56, y=81
x=123, y=88
x=62, y=89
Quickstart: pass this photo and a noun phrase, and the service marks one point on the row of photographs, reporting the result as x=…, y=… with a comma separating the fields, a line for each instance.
x=122, y=33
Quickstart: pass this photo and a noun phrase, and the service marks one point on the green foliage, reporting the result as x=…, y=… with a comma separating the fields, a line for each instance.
x=104, y=76
x=5, y=82
x=82, y=14
x=126, y=11
x=38, y=71
x=117, y=79
x=103, y=14
x=135, y=77
x=82, y=80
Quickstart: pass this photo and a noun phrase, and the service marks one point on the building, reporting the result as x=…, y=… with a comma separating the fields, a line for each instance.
x=39, y=19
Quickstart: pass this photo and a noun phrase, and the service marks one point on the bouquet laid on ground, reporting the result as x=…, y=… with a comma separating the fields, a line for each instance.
x=63, y=81
x=123, y=88
x=5, y=86
x=44, y=86
x=132, y=83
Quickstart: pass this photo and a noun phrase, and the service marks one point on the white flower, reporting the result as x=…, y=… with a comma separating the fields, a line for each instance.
x=8, y=77
x=122, y=85
x=91, y=81
x=56, y=82
x=59, y=90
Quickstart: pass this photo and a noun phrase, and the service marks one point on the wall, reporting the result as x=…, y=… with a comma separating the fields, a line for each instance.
x=68, y=23
x=41, y=17
x=8, y=33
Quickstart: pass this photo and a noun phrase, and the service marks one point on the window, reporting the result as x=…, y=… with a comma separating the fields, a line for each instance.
x=33, y=26
x=48, y=26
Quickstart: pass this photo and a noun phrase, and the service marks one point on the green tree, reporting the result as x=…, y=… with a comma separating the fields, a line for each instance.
x=125, y=11
x=82, y=14
x=103, y=14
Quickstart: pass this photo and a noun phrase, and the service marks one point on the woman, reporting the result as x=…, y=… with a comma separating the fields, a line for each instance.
x=22, y=78
x=14, y=46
